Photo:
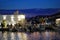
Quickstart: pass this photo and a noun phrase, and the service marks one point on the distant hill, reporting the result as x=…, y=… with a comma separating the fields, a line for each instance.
x=31, y=12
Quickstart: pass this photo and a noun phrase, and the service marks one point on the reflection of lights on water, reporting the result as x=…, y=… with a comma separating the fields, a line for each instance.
x=19, y=36
x=22, y=36
x=12, y=36
x=4, y=17
x=5, y=36
x=47, y=33
x=35, y=36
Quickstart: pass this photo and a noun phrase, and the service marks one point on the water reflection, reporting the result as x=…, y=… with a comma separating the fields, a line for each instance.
x=21, y=36
x=4, y=36
x=29, y=36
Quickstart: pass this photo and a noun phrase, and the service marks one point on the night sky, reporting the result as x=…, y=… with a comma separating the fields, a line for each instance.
x=31, y=4
x=28, y=4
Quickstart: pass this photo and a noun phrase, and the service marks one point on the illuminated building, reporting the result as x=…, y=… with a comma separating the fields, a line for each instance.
x=13, y=18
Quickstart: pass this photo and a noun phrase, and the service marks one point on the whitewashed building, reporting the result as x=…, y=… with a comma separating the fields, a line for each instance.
x=12, y=19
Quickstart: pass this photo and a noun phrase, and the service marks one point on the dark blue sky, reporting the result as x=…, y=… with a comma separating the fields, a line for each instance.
x=28, y=4
x=33, y=6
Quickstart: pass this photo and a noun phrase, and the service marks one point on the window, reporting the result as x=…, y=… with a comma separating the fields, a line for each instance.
x=58, y=22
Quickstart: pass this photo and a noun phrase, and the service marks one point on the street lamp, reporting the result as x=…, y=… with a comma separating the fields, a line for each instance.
x=4, y=17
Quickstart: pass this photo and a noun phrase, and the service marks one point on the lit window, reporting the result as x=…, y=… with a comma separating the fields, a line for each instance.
x=58, y=22
x=12, y=18
x=20, y=17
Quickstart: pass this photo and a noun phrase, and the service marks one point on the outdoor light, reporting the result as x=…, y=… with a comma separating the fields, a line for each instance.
x=4, y=17
x=12, y=18
x=58, y=22
x=9, y=23
x=12, y=24
x=20, y=17
x=58, y=19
